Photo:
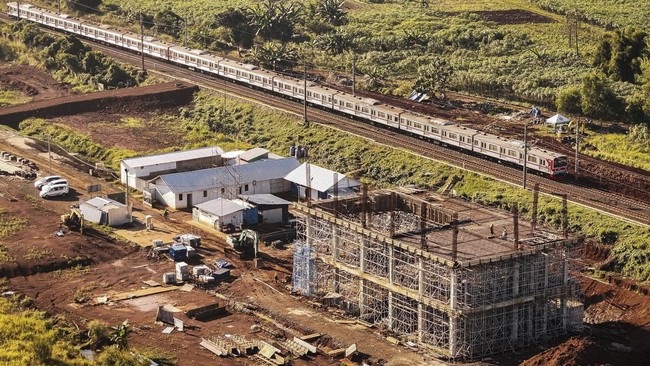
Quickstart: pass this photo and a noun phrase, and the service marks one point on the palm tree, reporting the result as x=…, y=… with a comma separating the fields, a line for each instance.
x=274, y=19
x=275, y=55
x=332, y=12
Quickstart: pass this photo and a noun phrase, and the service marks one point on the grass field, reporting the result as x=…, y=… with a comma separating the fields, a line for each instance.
x=618, y=148
x=11, y=97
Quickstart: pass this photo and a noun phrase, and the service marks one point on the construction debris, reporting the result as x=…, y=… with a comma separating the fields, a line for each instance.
x=205, y=312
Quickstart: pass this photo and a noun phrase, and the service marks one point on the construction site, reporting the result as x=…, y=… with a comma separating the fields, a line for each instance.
x=463, y=280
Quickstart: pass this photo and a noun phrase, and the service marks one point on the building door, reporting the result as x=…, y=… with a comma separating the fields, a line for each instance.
x=189, y=201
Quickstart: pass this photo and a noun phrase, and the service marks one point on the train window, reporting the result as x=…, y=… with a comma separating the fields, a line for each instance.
x=329, y=99
x=532, y=159
x=542, y=161
x=493, y=147
x=364, y=110
x=390, y=118
x=348, y=105
x=435, y=130
x=512, y=153
x=288, y=87
x=316, y=95
x=409, y=123
x=381, y=114
x=417, y=125
x=427, y=128
x=275, y=83
x=461, y=138
x=502, y=150
x=483, y=144
x=243, y=74
x=444, y=133
x=452, y=136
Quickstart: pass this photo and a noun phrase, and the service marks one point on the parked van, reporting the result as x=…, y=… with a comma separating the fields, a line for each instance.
x=58, y=182
x=45, y=180
x=54, y=190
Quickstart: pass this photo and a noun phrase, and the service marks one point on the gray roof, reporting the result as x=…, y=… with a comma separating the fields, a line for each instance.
x=171, y=157
x=254, y=153
x=220, y=207
x=321, y=179
x=226, y=176
x=264, y=199
x=103, y=204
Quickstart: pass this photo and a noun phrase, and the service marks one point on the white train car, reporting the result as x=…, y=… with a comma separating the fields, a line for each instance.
x=441, y=131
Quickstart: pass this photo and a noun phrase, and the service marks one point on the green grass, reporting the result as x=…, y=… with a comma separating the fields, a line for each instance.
x=618, y=148
x=4, y=254
x=11, y=97
x=35, y=254
x=9, y=224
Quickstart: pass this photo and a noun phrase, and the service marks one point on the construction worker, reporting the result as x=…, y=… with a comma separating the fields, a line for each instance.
x=504, y=234
x=166, y=215
x=491, y=229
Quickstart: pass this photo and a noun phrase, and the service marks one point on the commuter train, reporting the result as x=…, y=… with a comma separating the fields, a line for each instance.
x=440, y=131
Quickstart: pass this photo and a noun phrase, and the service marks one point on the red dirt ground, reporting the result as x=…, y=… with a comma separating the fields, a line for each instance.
x=32, y=81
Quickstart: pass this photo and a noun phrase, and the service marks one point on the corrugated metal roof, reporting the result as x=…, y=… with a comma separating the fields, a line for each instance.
x=264, y=199
x=321, y=179
x=200, y=180
x=220, y=207
x=203, y=152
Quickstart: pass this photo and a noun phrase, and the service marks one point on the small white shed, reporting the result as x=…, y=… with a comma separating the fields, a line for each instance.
x=219, y=212
x=105, y=211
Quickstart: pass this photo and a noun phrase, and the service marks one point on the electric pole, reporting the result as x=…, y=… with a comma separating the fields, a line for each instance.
x=59, y=12
x=525, y=151
x=49, y=155
x=142, y=40
x=354, y=75
x=185, y=21
x=304, y=91
x=18, y=8
x=577, y=147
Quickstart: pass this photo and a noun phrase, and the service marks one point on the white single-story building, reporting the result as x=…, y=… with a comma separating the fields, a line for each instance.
x=219, y=212
x=137, y=171
x=322, y=182
x=105, y=211
x=183, y=190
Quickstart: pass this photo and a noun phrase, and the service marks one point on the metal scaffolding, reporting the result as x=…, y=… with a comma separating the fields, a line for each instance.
x=377, y=266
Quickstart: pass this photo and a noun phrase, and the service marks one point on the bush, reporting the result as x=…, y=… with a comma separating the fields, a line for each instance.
x=608, y=236
x=569, y=100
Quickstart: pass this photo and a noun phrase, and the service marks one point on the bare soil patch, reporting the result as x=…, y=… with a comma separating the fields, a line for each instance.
x=514, y=16
x=32, y=81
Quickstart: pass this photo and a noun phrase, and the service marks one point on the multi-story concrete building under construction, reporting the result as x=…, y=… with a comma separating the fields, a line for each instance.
x=460, y=279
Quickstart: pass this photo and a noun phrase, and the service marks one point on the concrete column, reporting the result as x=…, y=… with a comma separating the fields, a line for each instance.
x=453, y=321
x=335, y=242
x=390, y=310
x=335, y=281
x=420, y=322
x=362, y=298
x=363, y=253
x=391, y=264
x=421, y=276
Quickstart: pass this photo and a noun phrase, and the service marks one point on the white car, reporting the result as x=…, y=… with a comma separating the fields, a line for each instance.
x=56, y=182
x=43, y=181
x=54, y=190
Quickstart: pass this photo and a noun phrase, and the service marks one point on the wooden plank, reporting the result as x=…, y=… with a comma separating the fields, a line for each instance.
x=311, y=348
x=335, y=352
x=213, y=348
x=311, y=337
x=141, y=293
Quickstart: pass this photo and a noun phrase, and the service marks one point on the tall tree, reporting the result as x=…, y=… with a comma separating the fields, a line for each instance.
x=598, y=99
x=434, y=78
x=241, y=33
x=275, y=19
x=84, y=6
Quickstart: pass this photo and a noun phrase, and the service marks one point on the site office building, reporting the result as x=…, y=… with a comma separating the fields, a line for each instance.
x=135, y=172
x=184, y=190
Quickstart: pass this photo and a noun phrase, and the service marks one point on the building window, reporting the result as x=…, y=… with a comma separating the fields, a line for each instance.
x=180, y=196
x=246, y=187
x=240, y=190
x=205, y=193
x=223, y=190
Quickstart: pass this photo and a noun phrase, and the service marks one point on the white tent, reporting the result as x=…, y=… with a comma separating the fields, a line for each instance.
x=558, y=119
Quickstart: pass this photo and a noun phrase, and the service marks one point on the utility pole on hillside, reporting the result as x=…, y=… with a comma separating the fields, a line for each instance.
x=304, y=90
x=185, y=41
x=354, y=74
x=59, y=12
x=49, y=155
x=18, y=8
x=142, y=40
x=525, y=152
x=577, y=147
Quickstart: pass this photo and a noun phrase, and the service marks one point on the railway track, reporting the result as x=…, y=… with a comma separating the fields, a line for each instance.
x=606, y=202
